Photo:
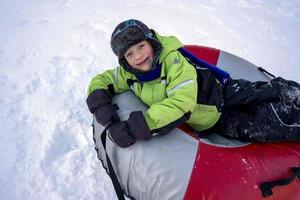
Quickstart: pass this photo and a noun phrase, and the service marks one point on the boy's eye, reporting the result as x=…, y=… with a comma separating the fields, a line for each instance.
x=128, y=55
x=142, y=45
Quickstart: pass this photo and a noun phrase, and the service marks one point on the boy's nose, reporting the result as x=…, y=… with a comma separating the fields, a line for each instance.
x=138, y=56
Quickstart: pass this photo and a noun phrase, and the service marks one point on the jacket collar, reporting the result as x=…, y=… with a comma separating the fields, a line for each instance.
x=150, y=75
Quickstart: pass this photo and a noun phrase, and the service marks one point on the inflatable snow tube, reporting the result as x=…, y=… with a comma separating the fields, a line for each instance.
x=179, y=165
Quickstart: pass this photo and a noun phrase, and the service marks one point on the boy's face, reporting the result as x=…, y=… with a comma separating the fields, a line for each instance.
x=140, y=56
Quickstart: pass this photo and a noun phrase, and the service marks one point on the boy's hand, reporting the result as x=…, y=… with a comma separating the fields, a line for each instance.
x=99, y=103
x=120, y=134
x=125, y=133
x=106, y=114
x=97, y=99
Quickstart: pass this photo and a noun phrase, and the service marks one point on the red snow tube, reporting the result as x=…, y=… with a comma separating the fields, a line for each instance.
x=237, y=173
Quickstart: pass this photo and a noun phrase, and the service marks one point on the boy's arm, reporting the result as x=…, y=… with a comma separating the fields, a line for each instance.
x=100, y=91
x=182, y=90
x=113, y=81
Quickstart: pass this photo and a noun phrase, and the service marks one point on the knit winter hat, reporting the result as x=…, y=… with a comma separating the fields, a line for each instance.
x=131, y=32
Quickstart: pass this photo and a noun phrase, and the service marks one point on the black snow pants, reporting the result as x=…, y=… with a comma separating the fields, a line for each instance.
x=261, y=111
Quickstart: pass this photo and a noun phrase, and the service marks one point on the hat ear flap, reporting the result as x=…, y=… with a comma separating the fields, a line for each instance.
x=123, y=62
x=157, y=48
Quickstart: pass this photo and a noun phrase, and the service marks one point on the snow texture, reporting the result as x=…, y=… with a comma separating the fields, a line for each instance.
x=49, y=51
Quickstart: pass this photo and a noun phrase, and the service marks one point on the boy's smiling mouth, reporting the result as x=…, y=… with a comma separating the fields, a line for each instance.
x=143, y=62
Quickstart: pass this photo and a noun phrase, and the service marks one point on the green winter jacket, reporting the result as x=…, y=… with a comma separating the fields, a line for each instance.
x=169, y=97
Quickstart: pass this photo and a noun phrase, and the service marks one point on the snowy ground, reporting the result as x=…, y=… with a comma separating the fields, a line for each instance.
x=49, y=50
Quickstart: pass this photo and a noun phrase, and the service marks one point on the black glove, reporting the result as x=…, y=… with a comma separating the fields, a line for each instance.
x=99, y=103
x=106, y=114
x=120, y=134
x=125, y=133
x=97, y=99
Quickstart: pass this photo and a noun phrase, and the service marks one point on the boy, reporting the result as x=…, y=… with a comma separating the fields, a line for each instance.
x=162, y=78
x=159, y=75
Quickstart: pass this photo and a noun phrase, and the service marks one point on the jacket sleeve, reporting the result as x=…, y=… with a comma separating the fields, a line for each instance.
x=181, y=99
x=113, y=81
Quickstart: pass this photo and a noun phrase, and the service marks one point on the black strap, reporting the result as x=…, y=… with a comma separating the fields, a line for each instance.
x=111, y=170
x=265, y=71
x=130, y=82
x=266, y=187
